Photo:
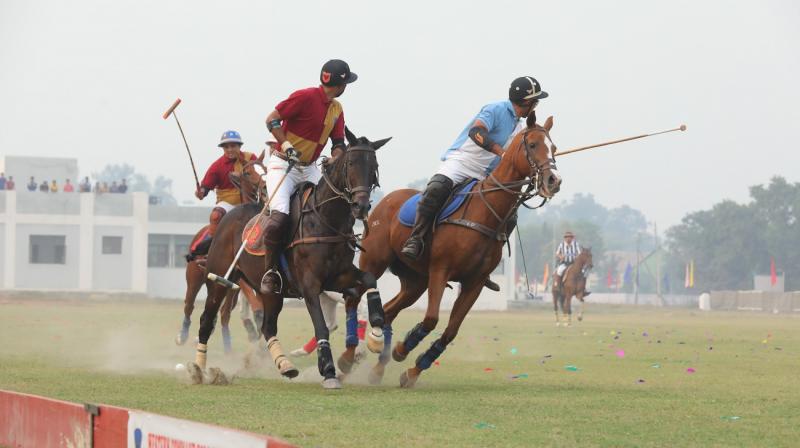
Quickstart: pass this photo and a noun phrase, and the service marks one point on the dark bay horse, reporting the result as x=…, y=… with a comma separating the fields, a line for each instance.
x=251, y=188
x=319, y=257
x=465, y=249
x=573, y=285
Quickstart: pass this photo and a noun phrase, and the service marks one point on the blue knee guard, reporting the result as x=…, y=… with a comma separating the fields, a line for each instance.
x=414, y=337
x=426, y=359
x=352, y=328
x=386, y=354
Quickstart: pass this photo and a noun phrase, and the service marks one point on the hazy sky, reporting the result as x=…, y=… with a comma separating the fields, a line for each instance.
x=90, y=79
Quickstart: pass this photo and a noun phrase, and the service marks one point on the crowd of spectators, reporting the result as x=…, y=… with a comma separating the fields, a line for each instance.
x=52, y=187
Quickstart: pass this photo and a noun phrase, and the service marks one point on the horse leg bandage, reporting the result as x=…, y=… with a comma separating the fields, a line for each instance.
x=386, y=354
x=201, y=356
x=276, y=351
x=374, y=308
x=425, y=360
x=352, y=328
x=325, y=359
x=414, y=337
x=226, y=339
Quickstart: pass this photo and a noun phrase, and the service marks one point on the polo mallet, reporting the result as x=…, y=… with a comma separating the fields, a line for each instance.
x=171, y=111
x=584, y=148
x=223, y=281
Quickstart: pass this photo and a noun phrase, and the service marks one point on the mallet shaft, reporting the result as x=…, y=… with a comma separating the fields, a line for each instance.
x=191, y=161
x=584, y=148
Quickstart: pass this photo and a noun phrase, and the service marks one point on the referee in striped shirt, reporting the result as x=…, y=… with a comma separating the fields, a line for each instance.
x=566, y=253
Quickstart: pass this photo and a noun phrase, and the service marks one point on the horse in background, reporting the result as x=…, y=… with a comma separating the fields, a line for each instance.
x=465, y=248
x=251, y=190
x=573, y=285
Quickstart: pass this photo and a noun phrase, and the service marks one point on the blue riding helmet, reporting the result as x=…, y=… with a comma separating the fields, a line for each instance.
x=230, y=137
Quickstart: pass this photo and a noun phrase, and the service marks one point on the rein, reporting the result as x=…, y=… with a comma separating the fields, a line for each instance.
x=345, y=194
x=531, y=183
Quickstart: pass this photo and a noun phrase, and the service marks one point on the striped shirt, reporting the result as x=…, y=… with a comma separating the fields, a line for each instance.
x=569, y=250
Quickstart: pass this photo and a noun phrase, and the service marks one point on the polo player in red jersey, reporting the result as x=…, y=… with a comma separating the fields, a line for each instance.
x=217, y=178
x=302, y=125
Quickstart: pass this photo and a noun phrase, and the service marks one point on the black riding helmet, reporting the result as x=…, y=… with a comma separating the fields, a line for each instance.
x=525, y=88
x=336, y=72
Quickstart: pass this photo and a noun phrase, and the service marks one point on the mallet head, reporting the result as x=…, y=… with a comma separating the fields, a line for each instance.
x=683, y=127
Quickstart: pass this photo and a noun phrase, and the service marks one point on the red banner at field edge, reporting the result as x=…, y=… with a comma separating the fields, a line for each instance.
x=35, y=421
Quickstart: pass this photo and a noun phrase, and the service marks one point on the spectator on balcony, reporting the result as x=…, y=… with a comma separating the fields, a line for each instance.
x=97, y=187
x=68, y=187
x=32, y=185
x=2, y=181
x=44, y=187
x=114, y=188
x=104, y=187
x=53, y=187
x=123, y=187
x=85, y=186
x=10, y=183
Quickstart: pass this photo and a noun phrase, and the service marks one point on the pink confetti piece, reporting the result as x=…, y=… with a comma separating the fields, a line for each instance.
x=690, y=370
x=620, y=353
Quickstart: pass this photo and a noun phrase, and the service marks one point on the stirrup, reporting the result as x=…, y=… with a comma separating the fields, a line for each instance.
x=266, y=279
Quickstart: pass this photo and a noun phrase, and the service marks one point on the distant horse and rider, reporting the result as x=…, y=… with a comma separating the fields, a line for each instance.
x=236, y=181
x=569, y=279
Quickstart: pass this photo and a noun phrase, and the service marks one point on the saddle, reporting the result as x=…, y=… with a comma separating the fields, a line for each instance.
x=408, y=211
x=253, y=233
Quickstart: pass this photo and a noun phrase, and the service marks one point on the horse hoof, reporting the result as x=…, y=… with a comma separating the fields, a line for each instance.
x=375, y=340
x=397, y=352
x=195, y=373
x=288, y=369
x=345, y=365
x=376, y=374
x=331, y=383
x=217, y=377
x=580, y=318
x=181, y=338
x=408, y=379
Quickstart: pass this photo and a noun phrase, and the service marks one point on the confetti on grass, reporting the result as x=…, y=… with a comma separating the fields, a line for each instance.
x=571, y=368
x=520, y=376
x=690, y=370
x=730, y=417
x=620, y=353
x=484, y=425
x=514, y=351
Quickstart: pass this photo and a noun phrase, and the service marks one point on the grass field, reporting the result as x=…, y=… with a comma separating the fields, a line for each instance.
x=632, y=387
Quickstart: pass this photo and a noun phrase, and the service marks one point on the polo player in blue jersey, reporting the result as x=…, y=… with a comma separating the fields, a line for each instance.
x=474, y=154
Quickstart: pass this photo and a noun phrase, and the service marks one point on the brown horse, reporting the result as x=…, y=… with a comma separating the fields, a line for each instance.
x=319, y=257
x=464, y=249
x=573, y=285
x=251, y=187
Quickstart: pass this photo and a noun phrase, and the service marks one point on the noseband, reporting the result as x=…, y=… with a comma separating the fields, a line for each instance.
x=535, y=176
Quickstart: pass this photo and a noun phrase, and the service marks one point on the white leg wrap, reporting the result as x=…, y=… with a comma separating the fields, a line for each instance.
x=201, y=355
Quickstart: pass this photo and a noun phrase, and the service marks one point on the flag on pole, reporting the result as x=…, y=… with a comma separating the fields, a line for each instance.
x=546, y=275
x=628, y=277
x=686, y=277
x=773, y=276
x=691, y=274
x=609, y=279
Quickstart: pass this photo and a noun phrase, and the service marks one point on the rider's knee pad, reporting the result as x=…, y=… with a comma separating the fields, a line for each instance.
x=216, y=215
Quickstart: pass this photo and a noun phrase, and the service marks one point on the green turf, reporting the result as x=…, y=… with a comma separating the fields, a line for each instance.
x=746, y=366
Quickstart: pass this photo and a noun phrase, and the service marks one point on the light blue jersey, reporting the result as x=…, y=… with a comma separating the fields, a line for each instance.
x=501, y=121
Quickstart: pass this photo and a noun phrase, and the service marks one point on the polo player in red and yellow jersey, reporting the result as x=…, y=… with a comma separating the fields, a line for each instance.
x=218, y=179
x=302, y=125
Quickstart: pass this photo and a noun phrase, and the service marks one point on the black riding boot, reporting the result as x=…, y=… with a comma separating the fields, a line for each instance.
x=274, y=237
x=200, y=250
x=433, y=199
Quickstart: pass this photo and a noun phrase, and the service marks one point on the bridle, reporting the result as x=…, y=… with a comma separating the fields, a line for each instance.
x=349, y=192
x=255, y=193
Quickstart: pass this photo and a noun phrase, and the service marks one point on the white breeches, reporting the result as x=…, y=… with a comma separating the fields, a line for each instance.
x=276, y=168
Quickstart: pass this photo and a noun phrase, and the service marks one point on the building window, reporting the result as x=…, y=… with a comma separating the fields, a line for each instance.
x=182, y=243
x=157, y=251
x=112, y=245
x=47, y=249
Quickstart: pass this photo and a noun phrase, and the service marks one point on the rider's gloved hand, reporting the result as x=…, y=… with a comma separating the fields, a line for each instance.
x=292, y=154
